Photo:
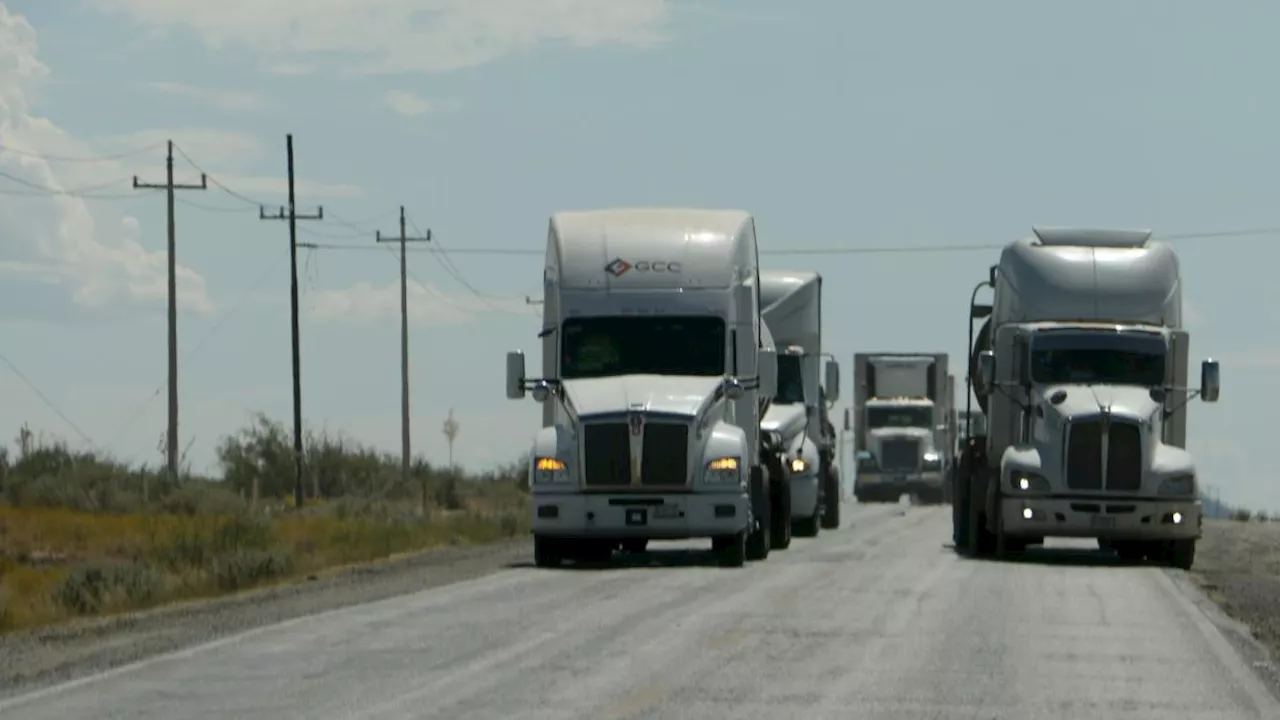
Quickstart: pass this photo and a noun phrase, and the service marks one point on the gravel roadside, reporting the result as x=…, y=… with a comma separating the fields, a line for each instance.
x=33, y=659
x=1238, y=567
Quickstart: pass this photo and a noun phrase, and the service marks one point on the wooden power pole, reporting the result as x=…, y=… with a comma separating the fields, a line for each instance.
x=406, y=453
x=171, y=439
x=293, y=217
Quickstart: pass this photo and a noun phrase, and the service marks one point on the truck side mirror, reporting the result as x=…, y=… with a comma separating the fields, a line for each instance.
x=515, y=375
x=987, y=367
x=832, y=381
x=767, y=369
x=1210, y=381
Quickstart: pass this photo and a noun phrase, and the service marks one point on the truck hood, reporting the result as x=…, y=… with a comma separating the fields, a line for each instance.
x=900, y=432
x=1123, y=401
x=786, y=420
x=647, y=393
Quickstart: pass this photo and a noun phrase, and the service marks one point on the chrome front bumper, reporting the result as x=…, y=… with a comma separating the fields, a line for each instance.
x=674, y=516
x=1110, y=518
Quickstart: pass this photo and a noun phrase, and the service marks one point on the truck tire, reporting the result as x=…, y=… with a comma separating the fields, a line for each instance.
x=731, y=551
x=1182, y=554
x=546, y=552
x=960, y=528
x=807, y=527
x=635, y=545
x=831, y=499
x=780, y=499
x=758, y=536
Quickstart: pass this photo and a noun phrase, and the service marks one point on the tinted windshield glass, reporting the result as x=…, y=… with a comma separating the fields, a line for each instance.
x=599, y=347
x=899, y=417
x=790, y=380
x=1103, y=358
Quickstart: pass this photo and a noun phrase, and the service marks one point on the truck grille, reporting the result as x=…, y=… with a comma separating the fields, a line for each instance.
x=666, y=455
x=607, y=450
x=900, y=455
x=1124, y=456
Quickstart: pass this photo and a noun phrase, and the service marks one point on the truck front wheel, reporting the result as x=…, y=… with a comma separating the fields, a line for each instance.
x=546, y=552
x=758, y=534
x=831, y=499
x=1182, y=554
x=780, y=501
x=731, y=551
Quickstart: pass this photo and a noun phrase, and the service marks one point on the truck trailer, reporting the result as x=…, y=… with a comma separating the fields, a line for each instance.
x=656, y=372
x=792, y=309
x=904, y=426
x=1081, y=372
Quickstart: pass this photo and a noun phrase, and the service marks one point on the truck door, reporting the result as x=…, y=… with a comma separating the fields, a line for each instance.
x=1175, y=424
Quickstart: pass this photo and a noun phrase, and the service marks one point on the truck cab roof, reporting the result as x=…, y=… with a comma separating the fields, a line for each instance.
x=651, y=248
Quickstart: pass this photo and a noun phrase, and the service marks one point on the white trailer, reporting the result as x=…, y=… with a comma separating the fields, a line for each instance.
x=656, y=372
x=903, y=421
x=791, y=303
x=1081, y=371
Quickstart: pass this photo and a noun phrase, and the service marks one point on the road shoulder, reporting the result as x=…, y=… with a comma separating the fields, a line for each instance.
x=39, y=658
x=1237, y=578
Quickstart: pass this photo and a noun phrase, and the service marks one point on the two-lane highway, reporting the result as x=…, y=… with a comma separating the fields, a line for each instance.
x=876, y=620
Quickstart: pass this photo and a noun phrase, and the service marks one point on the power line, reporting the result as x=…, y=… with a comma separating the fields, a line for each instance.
x=293, y=217
x=49, y=403
x=39, y=190
x=871, y=250
x=171, y=442
x=83, y=159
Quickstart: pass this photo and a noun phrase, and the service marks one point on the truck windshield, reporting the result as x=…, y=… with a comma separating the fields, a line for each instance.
x=878, y=417
x=790, y=381
x=1098, y=358
x=605, y=346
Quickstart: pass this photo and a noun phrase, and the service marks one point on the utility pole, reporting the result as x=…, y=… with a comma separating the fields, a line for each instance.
x=293, y=217
x=171, y=441
x=406, y=454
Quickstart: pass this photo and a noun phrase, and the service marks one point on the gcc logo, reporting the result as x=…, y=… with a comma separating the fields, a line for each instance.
x=619, y=267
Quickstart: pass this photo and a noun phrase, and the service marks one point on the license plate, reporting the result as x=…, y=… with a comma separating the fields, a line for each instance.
x=637, y=516
x=1102, y=521
x=666, y=512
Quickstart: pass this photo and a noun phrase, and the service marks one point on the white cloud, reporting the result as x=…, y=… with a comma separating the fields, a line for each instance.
x=428, y=305
x=389, y=36
x=407, y=104
x=220, y=99
x=88, y=256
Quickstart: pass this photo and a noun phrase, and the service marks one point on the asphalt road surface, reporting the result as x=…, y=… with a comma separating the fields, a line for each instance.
x=876, y=620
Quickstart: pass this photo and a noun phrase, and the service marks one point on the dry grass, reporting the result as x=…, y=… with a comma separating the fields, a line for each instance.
x=81, y=535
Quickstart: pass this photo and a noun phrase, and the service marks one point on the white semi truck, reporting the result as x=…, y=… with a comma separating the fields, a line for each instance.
x=1081, y=371
x=904, y=426
x=656, y=372
x=791, y=303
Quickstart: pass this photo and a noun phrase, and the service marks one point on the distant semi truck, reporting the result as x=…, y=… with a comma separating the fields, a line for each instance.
x=904, y=427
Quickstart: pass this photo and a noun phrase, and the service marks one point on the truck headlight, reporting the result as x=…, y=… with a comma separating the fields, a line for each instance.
x=723, y=471
x=1181, y=485
x=1024, y=482
x=798, y=466
x=548, y=470
x=932, y=462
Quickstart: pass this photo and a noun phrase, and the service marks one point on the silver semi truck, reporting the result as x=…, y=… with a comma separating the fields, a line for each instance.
x=657, y=370
x=1081, y=370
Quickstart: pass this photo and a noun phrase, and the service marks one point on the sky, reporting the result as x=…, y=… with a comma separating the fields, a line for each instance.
x=845, y=127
